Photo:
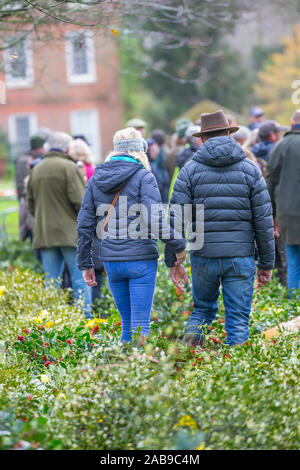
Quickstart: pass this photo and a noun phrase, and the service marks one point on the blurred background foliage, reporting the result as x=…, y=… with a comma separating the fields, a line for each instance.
x=161, y=83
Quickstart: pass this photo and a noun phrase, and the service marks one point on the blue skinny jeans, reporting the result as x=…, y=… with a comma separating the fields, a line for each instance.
x=132, y=284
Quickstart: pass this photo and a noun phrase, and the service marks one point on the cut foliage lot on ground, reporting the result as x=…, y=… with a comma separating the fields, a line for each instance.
x=67, y=383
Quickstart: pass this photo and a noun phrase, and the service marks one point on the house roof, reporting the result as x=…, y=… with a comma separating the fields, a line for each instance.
x=206, y=106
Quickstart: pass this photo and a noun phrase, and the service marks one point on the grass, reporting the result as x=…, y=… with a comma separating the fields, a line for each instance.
x=8, y=180
x=11, y=220
x=7, y=184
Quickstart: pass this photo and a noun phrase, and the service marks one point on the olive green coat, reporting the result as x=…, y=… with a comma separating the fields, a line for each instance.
x=54, y=194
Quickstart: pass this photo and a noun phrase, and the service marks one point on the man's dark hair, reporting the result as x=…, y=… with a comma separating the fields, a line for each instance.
x=266, y=128
x=209, y=135
x=159, y=136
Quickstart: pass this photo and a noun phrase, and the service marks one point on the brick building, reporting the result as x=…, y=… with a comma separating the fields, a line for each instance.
x=70, y=85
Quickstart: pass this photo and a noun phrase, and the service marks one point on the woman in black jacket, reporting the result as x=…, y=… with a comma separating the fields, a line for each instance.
x=125, y=185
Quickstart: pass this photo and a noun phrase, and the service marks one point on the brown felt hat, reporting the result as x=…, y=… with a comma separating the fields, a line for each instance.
x=214, y=122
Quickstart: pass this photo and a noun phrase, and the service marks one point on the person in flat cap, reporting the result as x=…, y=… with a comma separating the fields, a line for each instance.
x=191, y=146
x=256, y=117
x=138, y=124
x=24, y=161
x=177, y=143
x=237, y=213
x=37, y=144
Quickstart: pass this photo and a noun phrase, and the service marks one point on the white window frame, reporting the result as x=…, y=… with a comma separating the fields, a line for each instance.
x=17, y=82
x=12, y=130
x=81, y=78
x=96, y=150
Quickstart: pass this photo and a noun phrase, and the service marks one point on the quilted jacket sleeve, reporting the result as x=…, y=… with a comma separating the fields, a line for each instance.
x=86, y=226
x=182, y=194
x=151, y=200
x=263, y=223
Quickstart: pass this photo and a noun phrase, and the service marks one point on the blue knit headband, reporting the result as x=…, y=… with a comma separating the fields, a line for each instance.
x=131, y=145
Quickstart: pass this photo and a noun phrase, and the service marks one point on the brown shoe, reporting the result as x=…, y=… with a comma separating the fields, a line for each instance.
x=192, y=340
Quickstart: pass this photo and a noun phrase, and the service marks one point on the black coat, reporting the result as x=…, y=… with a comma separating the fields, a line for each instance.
x=237, y=207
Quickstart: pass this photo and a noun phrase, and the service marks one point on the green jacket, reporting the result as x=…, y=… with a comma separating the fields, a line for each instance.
x=283, y=179
x=54, y=194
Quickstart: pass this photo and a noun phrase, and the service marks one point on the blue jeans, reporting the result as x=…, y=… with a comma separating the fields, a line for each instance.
x=53, y=260
x=236, y=275
x=293, y=269
x=132, y=284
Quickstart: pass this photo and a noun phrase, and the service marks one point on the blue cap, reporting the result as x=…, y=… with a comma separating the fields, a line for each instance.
x=256, y=111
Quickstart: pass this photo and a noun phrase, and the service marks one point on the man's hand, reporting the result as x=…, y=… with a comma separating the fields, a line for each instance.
x=276, y=229
x=89, y=277
x=180, y=258
x=263, y=277
x=177, y=274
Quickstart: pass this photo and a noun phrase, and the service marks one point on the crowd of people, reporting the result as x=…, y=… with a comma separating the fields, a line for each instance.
x=247, y=178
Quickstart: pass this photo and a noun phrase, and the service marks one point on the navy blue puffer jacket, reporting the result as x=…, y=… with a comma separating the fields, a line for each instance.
x=237, y=207
x=139, y=186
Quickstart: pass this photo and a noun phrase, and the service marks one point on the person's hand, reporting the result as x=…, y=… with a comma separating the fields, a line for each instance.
x=89, y=277
x=180, y=257
x=263, y=277
x=177, y=274
x=276, y=229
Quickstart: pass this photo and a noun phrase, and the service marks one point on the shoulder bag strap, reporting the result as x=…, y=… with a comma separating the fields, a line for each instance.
x=113, y=205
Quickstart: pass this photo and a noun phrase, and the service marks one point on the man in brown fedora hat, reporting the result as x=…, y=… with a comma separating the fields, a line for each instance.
x=237, y=213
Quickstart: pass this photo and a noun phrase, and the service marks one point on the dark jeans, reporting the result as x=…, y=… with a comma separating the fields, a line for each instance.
x=280, y=261
x=236, y=276
x=96, y=291
x=293, y=259
x=53, y=260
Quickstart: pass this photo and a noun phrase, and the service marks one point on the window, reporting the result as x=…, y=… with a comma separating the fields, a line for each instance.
x=86, y=122
x=80, y=57
x=18, y=65
x=21, y=128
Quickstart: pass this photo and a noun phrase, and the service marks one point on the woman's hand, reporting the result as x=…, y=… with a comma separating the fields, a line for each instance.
x=180, y=258
x=177, y=274
x=89, y=277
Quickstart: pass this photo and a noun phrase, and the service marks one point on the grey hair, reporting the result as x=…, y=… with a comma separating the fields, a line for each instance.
x=59, y=141
x=296, y=116
x=241, y=134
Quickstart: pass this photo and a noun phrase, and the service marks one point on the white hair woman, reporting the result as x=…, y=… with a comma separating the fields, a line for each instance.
x=125, y=186
x=80, y=152
x=245, y=137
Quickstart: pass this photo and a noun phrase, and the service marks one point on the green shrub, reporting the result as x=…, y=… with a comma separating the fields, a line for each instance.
x=67, y=383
